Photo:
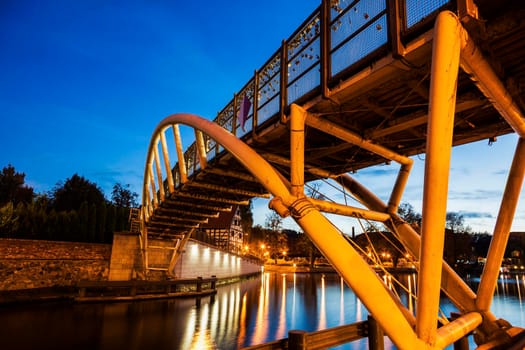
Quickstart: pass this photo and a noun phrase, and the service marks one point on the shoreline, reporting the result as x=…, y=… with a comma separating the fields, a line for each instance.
x=116, y=291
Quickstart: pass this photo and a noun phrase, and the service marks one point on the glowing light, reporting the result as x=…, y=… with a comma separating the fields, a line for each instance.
x=194, y=250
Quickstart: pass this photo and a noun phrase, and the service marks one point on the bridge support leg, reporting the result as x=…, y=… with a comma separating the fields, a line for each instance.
x=498, y=244
x=443, y=83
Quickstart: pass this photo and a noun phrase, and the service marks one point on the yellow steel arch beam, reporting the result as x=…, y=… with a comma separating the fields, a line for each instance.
x=262, y=171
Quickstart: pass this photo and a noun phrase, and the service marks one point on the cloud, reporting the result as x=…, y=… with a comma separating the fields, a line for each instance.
x=377, y=172
x=475, y=215
x=474, y=195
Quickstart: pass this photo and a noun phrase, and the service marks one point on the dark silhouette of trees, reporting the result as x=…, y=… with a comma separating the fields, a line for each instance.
x=75, y=210
x=74, y=191
x=122, y=197
x=13, y=188
x=406, y=212
x=8, y=219
x=247, y=218
x=275, y=240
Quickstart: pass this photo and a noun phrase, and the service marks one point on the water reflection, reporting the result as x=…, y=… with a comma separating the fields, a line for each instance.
x=252, y=312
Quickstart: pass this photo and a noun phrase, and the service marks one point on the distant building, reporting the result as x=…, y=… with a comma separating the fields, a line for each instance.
x=225, y=231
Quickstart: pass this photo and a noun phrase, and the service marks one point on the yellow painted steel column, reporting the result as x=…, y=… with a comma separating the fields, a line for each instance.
x=201, y=148
x=346, y=210
x=393, y=317
x=511, y=195
x=297, y=119
x=338, y=131
x=443, y=83
x=365, y=196
x=180, y=154
x=152, y=184
x=167, y=165
x=483, y=75
x=452, y=284
x=146, y=243
x=399, y=186
x=159, y=172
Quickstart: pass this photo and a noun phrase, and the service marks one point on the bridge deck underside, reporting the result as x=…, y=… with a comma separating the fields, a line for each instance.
x=386, y=102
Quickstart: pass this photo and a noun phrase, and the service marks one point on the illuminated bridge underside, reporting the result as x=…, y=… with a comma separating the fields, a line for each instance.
x=427, y=88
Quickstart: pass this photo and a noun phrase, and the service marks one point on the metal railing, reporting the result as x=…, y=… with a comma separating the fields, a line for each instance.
x=337, y=40
x=326, y=338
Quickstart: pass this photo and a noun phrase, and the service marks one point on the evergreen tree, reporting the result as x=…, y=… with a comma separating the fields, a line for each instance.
x=8, y=220
x=13, y=188
x=92, y=223
x=101, y=222
x=63, y=227
x=76, y=190
x=76, y=233
x=110, y=222
x=51, y=227
x=83, y=219
x=122, y=197
x=246, y=217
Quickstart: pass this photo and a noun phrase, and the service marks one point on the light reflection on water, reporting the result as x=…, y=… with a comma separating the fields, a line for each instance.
x=251, y=312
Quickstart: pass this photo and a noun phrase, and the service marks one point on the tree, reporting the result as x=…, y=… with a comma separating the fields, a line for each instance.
x=407, y=213
x=122, y=197
x=92, y=223
x=307, y=248
x=273, y=221
x=246, y=217
x=111, y=218
x=71, y=194
x=101, y=222
x=8, y=219
x=13, y=188
x=276, y=241
x=455, y=222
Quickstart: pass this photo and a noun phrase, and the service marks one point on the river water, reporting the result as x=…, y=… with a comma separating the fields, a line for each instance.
x=254, y=311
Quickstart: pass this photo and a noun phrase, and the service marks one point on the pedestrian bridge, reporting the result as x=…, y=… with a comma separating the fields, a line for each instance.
x=360, y=83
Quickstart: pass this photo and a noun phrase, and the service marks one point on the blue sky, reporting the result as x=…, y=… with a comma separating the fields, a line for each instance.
x=84, y=83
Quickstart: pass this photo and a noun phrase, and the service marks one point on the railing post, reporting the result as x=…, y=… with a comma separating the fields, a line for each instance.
x=213, y=282
x=199, y=284
x=234, y=126
x=255, y=101
x=133, y=289
x=283, y=82
x=325, y=48
x=297, y=340
x=376, y=336
x=394, y=28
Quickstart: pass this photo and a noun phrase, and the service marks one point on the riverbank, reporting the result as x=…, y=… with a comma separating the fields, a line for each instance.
x=298, y=268
x=118, y=291
x=286, y=268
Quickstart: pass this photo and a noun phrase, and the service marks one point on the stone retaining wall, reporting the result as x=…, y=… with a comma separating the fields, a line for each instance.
x=34, y=264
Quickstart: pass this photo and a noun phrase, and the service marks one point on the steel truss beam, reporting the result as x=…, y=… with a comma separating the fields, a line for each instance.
x=179, y=203
x=227, y=190
x=231, y=173
x=209, y=198
x=174, y=218
x=188, y=213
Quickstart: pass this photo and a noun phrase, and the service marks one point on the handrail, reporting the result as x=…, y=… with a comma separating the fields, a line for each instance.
x=330, y=337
